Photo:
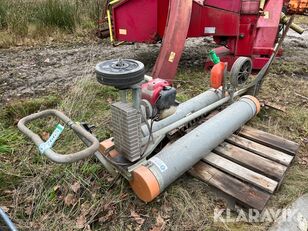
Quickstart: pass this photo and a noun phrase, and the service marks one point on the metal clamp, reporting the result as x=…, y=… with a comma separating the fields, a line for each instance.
x=56, y=157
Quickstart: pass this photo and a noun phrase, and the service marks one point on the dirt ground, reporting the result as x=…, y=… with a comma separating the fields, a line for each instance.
x=40, y=195
x=28, y=72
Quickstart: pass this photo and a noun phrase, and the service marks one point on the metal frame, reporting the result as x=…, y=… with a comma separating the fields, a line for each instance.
x=56, y=157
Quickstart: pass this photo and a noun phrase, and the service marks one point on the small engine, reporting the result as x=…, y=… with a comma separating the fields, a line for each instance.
x=148, y=100
x=159, y=93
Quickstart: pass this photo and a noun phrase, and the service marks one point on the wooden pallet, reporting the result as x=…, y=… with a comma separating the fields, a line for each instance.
x=249, y=166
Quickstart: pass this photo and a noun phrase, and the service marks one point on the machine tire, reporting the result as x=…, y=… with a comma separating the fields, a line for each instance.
x=240, y=71
x=121, y=74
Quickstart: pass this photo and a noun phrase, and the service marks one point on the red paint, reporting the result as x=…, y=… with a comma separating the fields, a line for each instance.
x=150, y=90
x=131, y=25
x=234, y=5
x=208, y=17
x=234, y=24
x=267, y=27
x=173, y=43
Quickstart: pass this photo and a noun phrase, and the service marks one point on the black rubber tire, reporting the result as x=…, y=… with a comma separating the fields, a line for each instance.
x=123, y=76
x=240, y=71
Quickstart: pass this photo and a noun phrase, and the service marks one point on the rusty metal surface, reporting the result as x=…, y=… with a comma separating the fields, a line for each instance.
x=298, y=6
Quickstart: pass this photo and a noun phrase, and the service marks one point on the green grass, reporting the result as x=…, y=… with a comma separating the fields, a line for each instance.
x=34, y=189
x=23, y=21
x=18, y=109
x=187, y=204
x=54, y=13
x=3, y=13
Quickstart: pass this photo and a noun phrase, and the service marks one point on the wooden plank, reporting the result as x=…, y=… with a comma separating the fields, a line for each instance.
x=252, y=161
x=246, y=194
x=261, y=150
x=241, y=172
x=270, y=140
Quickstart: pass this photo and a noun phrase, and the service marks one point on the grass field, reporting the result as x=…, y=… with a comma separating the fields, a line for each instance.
x=45, y=196
x=31, y=22
x=41, y=195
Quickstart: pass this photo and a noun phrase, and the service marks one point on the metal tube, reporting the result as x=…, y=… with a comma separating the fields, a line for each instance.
x=184, y=109
x=293, y=26
x=123, y=96
x=136, y=97
x=261, y=5
x=190, y=117
x=110, y=26
x=7, y=221
x=56, y=157
x=174, y=160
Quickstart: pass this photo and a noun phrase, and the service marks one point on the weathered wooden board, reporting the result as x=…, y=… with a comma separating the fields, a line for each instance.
x=248, y=166
x=241, y=172
x=269, y=140
x=260, y=149
x=252, y=161
x=246, y=194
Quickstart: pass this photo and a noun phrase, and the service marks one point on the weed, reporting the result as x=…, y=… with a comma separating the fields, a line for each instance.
x=18, y=109
x=3, y=13
x=35, y=190
x=26, y=20
x=186, y=204
x=55, y=13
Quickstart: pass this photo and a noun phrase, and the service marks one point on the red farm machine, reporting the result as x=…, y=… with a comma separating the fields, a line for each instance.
x=155, y=138
x=248, y=28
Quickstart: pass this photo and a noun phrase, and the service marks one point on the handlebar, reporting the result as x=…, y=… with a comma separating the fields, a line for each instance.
x=56, y=157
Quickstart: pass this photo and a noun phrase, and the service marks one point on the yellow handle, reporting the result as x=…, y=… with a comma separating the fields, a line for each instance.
x=109, y=20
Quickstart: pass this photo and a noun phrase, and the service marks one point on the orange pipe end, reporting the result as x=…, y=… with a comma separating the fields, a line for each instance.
x=144, y=184
x=256, y=102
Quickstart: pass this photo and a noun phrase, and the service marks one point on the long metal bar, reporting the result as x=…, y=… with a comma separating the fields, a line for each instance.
x=193, y=116
x=190, y=117
x=293, y=26
x=110, y=26
x=7, y=221
x=188, y=107
x=109, y=20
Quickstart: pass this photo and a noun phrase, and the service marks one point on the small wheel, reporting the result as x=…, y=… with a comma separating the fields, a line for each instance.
x=240, y=71
x=120, y=73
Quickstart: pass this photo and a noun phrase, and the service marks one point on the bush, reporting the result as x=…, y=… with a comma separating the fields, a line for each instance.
x=36, y=19
x=55, y=13
x=17, y=17
x=3, y=12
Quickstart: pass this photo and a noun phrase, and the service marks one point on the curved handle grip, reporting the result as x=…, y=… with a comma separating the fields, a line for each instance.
x=56, y=157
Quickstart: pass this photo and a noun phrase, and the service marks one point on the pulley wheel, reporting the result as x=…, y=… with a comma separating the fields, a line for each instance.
x=240, y=71
x=120, y=73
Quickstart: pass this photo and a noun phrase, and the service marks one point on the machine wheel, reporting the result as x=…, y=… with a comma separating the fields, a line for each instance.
x=240, y=71
x=120, y=73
